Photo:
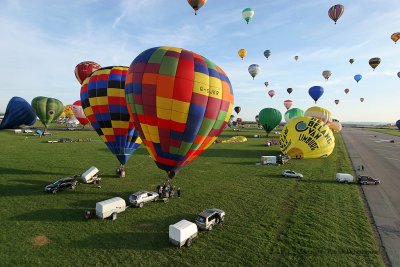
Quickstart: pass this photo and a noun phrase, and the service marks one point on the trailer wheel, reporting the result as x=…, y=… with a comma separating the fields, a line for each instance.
x=188, y=242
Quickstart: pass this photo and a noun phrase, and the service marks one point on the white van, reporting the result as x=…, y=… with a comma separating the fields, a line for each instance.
x=91, y=176
x=268, y=160
x=182, y=233
x=344, y=177
x=108, y=207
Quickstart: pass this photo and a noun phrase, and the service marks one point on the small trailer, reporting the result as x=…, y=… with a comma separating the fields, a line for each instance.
x=182, y=233
x=268, y=160
x=110, y=207
x=91, y=176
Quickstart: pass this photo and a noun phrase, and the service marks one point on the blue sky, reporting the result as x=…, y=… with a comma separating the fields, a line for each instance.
x=42, y=42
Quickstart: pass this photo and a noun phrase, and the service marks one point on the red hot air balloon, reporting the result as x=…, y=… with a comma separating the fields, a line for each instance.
x=347, y=90
x=180, y=101
x=84, y=69
x=78, y=112
x=335, y=12
x=271, y=93
x=288, y=104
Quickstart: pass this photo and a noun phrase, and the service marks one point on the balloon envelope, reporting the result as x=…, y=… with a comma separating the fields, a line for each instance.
x=362, y=99
x=351, y=60
x=271, y=93
x=293, y=113
x=346, y=90
x=84, y=69
x=237, y=109
x=254, y=69
x=306, y=137
x=103, y=101
x=319, y=113
x=267, y=53
x=335, y=12
x=78, y=112
x=242, y=53
x=18, y=112
x=288, y=103
x=247, y=14
x=336, y=101
x=398, y=74
x=196, y=4
x=266, y=83
x=47, y=109
x=335, y=126
x=316, y=92
x=326, y=74
x=269, y=118
x=289, y=90
x=296, y=58
x=395, y=37
x=181, y=102
x=398, y=124
x=357, y=77
x=374, y=62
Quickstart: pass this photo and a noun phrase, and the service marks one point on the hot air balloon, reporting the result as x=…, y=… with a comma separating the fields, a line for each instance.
x=306, y=137
x=242, y=53
x=335, y=12
x=357, y=77
x=18, y=112
x=271, y=93
x=293, y=113
x=374, y=62
x=319, y=113
x=316, y=92
x=47, y=109
x=351, y=60
x=196, y=4
x=346, y=90
x=247, y=14
x=296, y=58
x=104, y=104
x=84, y=69
x=239, y=120
x=257, y=118
x=237, y=109
x=289, y=90
x=288, y=103
x=395, y=37
x=326, y=74
x=266, y=83
x=398, y=124
x=254, y=69
x=398, y=74
x=68, y=111
x=267, y=53
x=78, y=112
x=335, y=126
x=362, y=99
x=336, y=101
x=181, y=102
x=269, y=119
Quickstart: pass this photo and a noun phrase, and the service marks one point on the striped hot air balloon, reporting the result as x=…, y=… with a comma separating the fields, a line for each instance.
x=335, y=12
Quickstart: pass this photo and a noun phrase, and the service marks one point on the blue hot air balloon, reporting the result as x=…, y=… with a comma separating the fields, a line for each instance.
x=398, y=124
x=357, y=77
x=18, y=112
x=316, y=92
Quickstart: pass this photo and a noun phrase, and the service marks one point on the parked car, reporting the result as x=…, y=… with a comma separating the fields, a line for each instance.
x=206, y=219
x=290, y=173
x=62, y=184
x=140, y=198
x=365, y=179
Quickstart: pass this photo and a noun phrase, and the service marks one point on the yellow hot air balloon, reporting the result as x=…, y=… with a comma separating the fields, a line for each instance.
x=242, y=53
x=306, y=137
x=319, y=113
x=335, y=126
x=68, y=111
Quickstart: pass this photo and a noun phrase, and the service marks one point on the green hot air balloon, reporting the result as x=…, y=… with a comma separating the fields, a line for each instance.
x=269, y=118
x=247, y=14
x=293, y=113
x=47, y=109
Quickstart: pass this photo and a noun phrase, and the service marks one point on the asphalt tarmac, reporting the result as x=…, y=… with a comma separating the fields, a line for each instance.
x=381, y=159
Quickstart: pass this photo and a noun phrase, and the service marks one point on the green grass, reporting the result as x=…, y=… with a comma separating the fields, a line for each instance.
x=270, y=221
x=392, y=131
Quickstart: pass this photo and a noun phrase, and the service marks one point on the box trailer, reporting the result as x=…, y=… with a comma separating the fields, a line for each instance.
x=109, y=207
x=182, y=233
x=268, y=160
x=91, y=176
x=344, y=177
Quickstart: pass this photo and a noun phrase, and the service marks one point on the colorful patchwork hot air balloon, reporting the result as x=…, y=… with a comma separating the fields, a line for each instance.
x=335, y=12
x=319, y=113
x=306, y=137
x=103, y=101
x=316, y=92
x=271, y=93
x=84, y=69
x=78, y=112
x=289, y=90
x=18, y=112
x=357, y=77
x=293, y=113
x=247, y=14
x=237, y=109
x=351, y=60
x=326, y=74
x=346, y=91
x=254, y=69
x=47, y=109
x=374, y=62
x=181, y=102
x=267, y=53
x=269, y=119
x=288, y=103
x=196, y=4
x=242, y=53
x=395, y=37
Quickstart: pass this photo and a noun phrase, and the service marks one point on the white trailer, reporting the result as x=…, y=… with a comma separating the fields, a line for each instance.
x=91, y=176
x=344, y=177
x=268, y=160
x=182, y=233
x=111, y=206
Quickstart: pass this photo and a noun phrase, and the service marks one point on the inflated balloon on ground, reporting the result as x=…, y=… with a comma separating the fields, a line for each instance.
x=319, y=113
x=47, y=109
x=335, y=126
x=78, y=112
x=18, y=112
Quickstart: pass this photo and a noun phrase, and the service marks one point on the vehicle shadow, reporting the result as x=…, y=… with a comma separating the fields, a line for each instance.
x=51, y=215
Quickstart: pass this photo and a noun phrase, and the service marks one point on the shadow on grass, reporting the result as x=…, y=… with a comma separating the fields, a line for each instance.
x=26, y=172
x=25, y=187
x=232, y=153
x=52, y=215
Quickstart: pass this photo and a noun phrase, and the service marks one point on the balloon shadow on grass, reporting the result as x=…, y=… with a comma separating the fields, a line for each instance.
x=26, y=172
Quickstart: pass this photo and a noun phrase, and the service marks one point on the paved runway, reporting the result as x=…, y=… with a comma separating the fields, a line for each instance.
x=381, y=159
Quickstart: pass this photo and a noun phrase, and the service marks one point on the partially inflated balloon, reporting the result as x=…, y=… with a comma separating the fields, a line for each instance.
x=269, y=119
x=237, y=109
x=18, y=112
x=346, y=90
x=254, y=69
x=357, y=77
x=293, y=113
x=271, y=93
x=78, y=112
x=196, y=4
x=316, y=92
x=374, y=62
x=335, y=126
x=335, y=12
x=336, y=101
x=84, y=69
x=306, y=137
x=319, y=113
x=181, y=102
x=288, y=103
x=247, y=14
x=47, y=109
x=104, y=104
x=242, y=53
x=267, y=53
x=326, y=74
x=351, y=60
x=398, y=124
x=395, y=37
x=289, y=90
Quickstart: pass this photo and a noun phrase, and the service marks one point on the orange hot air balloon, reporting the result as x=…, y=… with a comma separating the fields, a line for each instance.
x=395, y=37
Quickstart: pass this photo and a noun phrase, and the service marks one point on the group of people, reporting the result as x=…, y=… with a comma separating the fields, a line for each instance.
x=120, y=171
x=167, y=190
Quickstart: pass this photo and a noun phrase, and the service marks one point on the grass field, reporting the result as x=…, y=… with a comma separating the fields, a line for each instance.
x=391, y=131
x=270, y=221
